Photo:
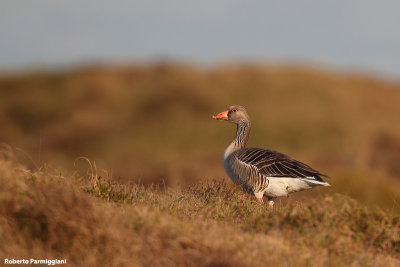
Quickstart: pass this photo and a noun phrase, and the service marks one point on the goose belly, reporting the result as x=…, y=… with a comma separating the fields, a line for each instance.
x=282, y=186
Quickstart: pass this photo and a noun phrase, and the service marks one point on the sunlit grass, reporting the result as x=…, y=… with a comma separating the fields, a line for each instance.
x=162, y=188
x=93, y=221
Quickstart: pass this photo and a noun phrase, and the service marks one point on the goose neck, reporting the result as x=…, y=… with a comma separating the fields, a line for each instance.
x=241, y=138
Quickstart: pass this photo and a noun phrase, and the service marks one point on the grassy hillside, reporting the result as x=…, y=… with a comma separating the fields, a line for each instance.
x=155, y=184
x=93, y=222
x=153, y=123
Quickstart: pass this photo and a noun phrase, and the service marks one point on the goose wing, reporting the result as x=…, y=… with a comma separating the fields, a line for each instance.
x=274, y=164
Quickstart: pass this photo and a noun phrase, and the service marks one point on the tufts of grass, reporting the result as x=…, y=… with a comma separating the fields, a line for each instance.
x=331, y=224
x=92, y=222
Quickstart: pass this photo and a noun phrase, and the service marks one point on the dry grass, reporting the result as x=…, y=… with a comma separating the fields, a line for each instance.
x=153, y=124
x=164, y=198
x=93, y=222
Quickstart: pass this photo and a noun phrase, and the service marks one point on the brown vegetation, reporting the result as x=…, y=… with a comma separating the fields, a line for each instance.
x=209, y=224
x=163, y=197
x=386, y=154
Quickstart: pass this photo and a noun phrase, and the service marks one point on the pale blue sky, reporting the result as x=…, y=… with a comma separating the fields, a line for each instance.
x=345, y=34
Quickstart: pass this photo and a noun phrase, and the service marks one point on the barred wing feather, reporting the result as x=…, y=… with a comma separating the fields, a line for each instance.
x=274, y=164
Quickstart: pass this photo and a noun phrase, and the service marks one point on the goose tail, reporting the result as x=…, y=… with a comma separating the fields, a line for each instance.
x=313, y=182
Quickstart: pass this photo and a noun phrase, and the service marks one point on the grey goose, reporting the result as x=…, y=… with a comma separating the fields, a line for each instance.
x=262, y=171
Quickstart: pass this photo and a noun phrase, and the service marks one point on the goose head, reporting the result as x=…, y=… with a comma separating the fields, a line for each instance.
x=235, y=114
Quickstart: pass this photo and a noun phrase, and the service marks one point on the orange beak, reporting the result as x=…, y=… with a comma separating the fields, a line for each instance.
x=221, y=116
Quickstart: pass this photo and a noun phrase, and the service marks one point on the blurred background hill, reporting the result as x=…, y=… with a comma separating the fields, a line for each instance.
x=152, y=123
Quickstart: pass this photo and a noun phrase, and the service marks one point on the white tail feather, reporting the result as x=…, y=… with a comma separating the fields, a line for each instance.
x=314, y=182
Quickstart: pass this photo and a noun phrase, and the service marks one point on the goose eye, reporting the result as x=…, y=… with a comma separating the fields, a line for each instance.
x=234, y=110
